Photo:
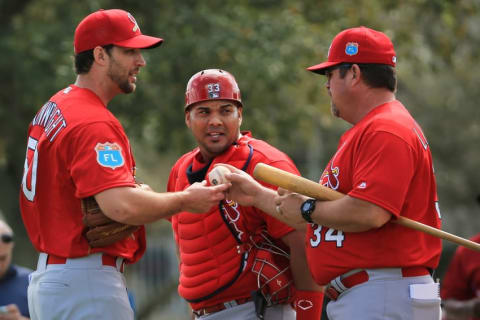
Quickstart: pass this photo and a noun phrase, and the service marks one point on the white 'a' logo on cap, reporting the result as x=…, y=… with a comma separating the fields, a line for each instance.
x=135, y=27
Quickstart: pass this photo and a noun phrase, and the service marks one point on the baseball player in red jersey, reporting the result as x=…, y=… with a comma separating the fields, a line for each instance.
x=460, y=290
x=372, y=268
x=231, y=251
x=77, y=149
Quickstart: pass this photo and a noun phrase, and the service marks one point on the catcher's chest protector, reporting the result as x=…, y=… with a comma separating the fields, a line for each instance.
x=210, y=245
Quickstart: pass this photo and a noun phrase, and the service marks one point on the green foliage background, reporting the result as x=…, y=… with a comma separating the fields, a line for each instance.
x=266, y=44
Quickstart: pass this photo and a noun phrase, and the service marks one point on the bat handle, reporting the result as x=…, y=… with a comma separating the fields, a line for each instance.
x=437, y=233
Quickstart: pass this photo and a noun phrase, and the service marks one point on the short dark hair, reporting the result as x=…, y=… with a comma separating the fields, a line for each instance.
x=84, y=60
x=375, y=75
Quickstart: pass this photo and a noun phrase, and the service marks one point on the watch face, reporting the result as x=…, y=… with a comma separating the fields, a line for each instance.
x=306, y=206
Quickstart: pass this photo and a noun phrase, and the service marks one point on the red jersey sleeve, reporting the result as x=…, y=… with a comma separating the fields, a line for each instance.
x=383, y=158
x=100, y=159
x=171, y=179
x=171, y=185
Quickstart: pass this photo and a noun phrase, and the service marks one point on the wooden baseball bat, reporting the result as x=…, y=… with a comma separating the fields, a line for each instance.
x=312, y=189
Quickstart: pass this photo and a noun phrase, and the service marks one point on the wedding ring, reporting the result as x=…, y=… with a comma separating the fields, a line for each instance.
x=277, y=208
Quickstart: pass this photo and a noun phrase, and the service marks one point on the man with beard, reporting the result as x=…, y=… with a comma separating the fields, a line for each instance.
x=78, y=153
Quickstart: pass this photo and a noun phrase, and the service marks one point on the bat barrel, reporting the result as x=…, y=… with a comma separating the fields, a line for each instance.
x=294, y=183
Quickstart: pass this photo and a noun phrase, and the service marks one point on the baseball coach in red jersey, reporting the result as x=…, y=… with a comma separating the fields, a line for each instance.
x=372, y=268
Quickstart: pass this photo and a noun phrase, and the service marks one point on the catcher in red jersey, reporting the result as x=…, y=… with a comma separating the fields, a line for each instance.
x=372, y=268
x=80, y=203
x=236, y=262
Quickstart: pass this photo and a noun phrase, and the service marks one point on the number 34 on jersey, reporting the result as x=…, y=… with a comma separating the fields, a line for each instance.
x=330, y=235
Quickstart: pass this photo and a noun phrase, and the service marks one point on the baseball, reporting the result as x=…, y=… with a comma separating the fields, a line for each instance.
x=217, y=175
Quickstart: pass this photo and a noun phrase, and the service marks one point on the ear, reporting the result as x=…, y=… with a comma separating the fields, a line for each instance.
x=356, y=72
x=100, y=55
x=187, y=118
x=240, y=110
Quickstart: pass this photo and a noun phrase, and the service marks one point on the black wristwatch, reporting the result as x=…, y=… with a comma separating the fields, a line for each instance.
x=307, y=208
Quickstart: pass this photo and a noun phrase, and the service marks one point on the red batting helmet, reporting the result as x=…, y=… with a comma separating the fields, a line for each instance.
x=212, y=84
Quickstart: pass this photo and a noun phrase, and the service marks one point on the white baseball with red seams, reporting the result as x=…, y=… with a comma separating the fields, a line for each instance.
x=217, y=175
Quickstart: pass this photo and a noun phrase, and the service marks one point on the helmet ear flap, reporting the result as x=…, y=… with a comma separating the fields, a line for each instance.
x=212, y=84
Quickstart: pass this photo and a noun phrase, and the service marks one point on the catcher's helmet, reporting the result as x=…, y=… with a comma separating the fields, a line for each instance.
x=212, y=84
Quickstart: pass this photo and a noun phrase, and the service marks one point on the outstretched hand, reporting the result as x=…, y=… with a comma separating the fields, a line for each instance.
x=244, y=189
x=288, y=207
x=200, y=198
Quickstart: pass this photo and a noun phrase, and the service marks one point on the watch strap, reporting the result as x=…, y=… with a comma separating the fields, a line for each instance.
x=307, y=213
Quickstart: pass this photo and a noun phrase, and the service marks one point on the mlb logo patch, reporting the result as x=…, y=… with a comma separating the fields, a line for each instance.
x=351, y=48
x=213, y=90
x=109, y=155
x=362, y=185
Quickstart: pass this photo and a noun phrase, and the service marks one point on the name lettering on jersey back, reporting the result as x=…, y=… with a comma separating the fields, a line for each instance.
x=51, y=119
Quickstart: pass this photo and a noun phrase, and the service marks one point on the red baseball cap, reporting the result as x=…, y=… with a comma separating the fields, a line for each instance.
x=358, y=45
x=114, y=26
